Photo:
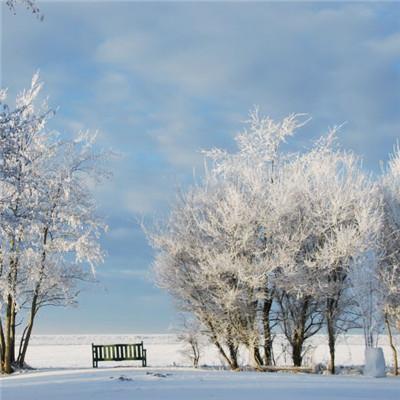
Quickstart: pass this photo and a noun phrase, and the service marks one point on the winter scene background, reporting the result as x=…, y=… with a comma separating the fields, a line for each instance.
x=199, y=200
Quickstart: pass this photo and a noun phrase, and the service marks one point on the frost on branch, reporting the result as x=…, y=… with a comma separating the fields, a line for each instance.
x=29, y=5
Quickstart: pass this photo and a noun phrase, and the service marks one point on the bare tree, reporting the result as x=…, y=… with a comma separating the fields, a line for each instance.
x=190, y=334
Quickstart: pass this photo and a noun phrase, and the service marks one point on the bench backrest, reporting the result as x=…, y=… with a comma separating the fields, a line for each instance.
x=118, y=352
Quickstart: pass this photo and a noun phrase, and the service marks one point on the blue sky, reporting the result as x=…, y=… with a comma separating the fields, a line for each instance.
x=161, y=81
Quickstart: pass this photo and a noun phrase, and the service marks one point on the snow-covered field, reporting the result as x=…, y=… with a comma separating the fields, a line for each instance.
x=64, y=372
x=177, y=384
x=74, y=351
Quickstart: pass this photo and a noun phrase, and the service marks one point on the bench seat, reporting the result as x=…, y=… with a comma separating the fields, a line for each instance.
x=119, y=352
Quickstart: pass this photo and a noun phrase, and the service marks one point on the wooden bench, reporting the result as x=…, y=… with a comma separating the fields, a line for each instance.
x=119, y=352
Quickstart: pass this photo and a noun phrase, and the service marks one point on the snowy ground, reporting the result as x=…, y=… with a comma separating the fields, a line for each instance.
x=176, y=384
x=64, y=372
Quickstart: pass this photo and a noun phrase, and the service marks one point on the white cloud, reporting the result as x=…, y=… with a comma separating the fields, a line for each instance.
x=388, y=46
x=136, y=273
x=120, y=233
x=144, y=200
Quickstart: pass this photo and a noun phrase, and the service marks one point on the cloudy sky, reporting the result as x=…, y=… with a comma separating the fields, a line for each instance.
x=161, y=81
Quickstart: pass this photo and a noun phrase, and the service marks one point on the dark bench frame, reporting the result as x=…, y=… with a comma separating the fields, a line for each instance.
x=119, y=352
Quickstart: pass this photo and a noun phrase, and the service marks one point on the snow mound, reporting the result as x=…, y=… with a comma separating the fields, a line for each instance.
x=374, y=363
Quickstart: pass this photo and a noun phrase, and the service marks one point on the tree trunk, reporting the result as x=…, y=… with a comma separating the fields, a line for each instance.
x=296, y=322
x=233, y=350
x=196, y=355
x=331, y=339
x=2, y=346
x=24, y=343
x=394, y=350
x=8, y=341
x=298, y=337
x=255, y=357
x=222, y=351
x=12, y=334
x=267, y=332
x=232, y=363
x=9, y=351
x=297, y=349
x=23, y=347
x=332, y=356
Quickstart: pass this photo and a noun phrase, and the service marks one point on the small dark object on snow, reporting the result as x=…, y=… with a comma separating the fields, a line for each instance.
x=124, y=378
x=158, y=374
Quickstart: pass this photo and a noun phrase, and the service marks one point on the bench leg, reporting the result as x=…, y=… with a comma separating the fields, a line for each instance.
x=94, y=355
x=144, y=359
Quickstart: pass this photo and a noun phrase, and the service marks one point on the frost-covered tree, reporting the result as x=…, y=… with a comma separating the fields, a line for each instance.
x=270, y=237
x=49, y=229
x=21, y=152
x=389, y=269
x=256, y=168
x=338, y=219
x=215, y=238
x=190, y=267
x=67, y=226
